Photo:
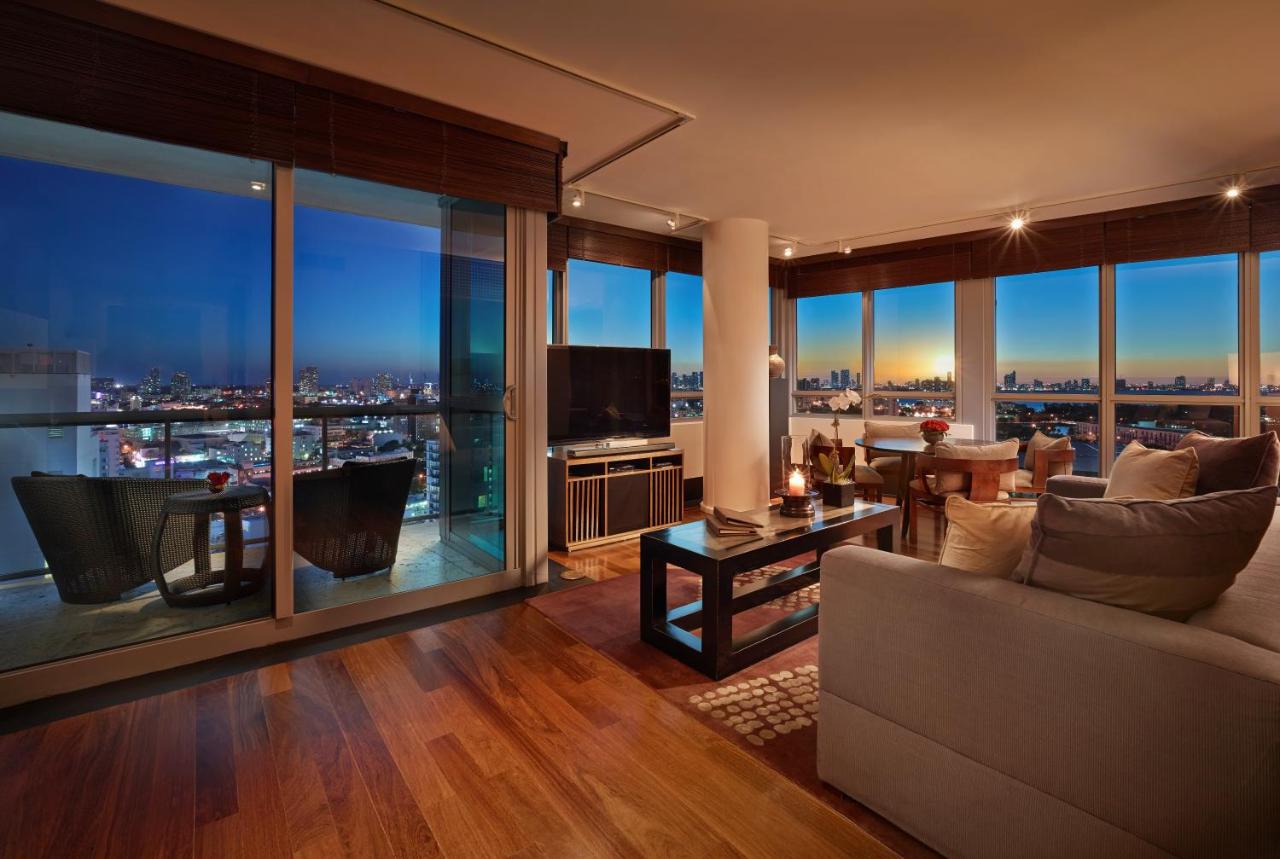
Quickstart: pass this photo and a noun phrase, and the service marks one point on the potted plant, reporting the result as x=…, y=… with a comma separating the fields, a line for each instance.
x=838, y=486
x=934, y=430
x=841, y=402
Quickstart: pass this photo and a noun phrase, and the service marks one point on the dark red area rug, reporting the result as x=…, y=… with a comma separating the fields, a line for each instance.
x=769, y=709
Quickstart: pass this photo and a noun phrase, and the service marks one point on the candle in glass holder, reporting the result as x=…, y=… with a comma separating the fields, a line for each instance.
x=795, y=484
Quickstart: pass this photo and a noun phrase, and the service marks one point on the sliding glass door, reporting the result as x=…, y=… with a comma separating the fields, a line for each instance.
x=473, y=382
x=399, y=333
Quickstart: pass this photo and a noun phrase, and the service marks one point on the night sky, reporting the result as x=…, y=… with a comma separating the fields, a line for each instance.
x=143, y=274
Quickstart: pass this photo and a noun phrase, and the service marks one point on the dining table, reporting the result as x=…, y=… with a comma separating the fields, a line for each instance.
x=907, y=449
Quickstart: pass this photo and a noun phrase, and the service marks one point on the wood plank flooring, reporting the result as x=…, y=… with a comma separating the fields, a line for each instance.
x=493, y=735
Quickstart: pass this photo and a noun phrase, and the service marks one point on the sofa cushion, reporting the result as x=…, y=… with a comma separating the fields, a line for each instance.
x=1250, y=608
x=1234, y=463
x=952, y=481
x=986, y=539
x=1168, y=558
x=1154, y=475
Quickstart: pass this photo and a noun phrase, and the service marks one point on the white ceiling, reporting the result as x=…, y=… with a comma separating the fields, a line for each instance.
x=830, y=120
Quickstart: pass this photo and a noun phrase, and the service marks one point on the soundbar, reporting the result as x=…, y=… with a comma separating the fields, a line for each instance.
x=586, y=451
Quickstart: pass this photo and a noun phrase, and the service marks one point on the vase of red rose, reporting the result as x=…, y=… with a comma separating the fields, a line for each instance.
x=217, y=480
x=934, y=430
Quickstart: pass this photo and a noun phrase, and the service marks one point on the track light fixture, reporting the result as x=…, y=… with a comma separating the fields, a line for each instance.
x=1232, y=192
x=1017, y=222
x=788, y=251
x=673, y=222
x=579, y=199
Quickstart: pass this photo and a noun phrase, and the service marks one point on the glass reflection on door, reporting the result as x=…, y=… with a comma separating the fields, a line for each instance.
x=399, y=327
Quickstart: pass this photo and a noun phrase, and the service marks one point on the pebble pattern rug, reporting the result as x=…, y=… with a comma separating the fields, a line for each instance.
x=769, y=709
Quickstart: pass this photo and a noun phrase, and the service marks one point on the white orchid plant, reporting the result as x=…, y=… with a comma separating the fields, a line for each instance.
x=842, y=402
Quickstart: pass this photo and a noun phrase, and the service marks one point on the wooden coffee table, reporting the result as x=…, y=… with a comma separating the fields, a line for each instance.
x=718, y=652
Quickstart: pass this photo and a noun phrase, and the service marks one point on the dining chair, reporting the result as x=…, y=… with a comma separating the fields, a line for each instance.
x=980, y=479
x=1048, y=463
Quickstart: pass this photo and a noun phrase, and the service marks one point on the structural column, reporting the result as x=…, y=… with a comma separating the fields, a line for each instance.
x=735, y=320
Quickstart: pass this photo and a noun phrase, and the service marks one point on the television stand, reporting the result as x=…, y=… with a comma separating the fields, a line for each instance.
x=600, y=496
x=639, y=445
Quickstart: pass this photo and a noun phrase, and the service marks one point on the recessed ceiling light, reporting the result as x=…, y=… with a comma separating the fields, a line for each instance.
x=257, y=186
x=1232, y=192
x=788, y=251
x=1017, y=222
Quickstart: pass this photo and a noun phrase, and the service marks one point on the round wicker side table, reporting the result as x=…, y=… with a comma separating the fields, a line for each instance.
x=215, y=586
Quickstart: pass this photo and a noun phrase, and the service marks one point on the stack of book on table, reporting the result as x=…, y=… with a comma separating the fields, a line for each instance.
x=724, y=522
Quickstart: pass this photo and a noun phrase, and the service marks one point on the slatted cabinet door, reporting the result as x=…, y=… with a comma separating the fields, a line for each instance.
x=666, y=496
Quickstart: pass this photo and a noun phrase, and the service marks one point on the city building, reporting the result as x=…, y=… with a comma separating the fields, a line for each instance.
x=180, y=387
x=309, y=381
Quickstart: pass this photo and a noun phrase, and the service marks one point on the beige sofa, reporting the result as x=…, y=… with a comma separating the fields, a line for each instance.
x=993, y=719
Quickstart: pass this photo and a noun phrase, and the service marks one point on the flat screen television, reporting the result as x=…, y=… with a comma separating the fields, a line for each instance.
x=599, y=392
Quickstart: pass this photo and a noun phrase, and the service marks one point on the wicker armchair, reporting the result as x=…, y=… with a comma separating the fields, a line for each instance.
x=96, y=532
x=347, y=520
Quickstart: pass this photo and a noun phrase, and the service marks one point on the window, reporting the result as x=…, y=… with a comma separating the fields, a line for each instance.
x=137, y=296
x=378, y=388
x=609, y=305
x=1162, y=425
x=1270, y=418
x=1047, y=343
x=1047, y=332
x=828, y=350
x=1269, y=315
x=911, y=407
x=1177, y=326
x=1075, y=420
x=915, y=338
x=684, y=339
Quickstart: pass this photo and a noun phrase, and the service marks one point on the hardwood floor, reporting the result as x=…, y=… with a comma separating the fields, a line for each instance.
x=494, y=735
x=491, y=735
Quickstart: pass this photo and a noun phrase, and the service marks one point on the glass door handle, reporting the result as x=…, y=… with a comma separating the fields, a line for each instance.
x=508, y=401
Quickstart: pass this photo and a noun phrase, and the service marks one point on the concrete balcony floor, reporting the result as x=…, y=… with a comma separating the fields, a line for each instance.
x=36, y=626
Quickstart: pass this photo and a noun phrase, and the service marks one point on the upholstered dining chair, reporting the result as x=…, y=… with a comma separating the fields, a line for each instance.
x=982, y=475
x=1047, y=463
x=887, y=466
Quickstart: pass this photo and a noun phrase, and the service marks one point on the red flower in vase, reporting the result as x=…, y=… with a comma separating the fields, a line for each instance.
x=935, y=425
x=218, y=480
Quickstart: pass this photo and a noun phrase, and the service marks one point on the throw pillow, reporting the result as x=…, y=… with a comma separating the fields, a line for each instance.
x=1167, y=558
x=987, y=539
x=1234, y=463
x=1156, y=475
x=951, y=481
x=1040, y=442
